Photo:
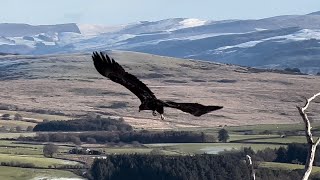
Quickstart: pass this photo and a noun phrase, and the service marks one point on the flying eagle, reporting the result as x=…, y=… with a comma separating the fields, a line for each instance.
x=109, y=68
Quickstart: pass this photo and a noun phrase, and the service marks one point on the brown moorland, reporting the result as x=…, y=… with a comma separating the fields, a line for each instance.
x=70, y=84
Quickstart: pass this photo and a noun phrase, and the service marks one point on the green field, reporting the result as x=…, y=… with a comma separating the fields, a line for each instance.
x=241, y=137
x=12, y=151
x=266, y=139
x=14, y=173
x=285, y=166
x=138, y=150
x=271, y=127
x=15, y=151
x=209, y=148
x=9, y=147
x=13, y=124
x=19, y=150
x=126, y=150
x=16, y=135
x=255, y=129
x=16, y=148
x=37, y=160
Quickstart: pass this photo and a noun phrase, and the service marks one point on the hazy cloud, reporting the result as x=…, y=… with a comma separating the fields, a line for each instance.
x=126, y=11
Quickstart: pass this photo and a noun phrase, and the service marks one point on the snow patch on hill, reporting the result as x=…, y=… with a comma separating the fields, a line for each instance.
x=229, y=41
x=4, y=40
x=96, y=29
x=302, y=35
x=191, y=22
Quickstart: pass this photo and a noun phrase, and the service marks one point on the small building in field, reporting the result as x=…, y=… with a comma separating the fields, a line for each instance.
x=84, y=151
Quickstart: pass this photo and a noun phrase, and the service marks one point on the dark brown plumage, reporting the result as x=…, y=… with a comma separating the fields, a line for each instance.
x=109, y=68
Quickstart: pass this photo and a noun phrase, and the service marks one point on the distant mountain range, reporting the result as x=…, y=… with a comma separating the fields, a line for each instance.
x=291, y=41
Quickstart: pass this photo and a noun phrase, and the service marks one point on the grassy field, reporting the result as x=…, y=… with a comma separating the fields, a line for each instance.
x=13, y=124
x=256, y=142
x=16, y=148
x=20, y=150
x=14, y=173
x=272, y=127
x=210, y=148
x=12, y=151
x=240, y=137
x=32, y=153
x=37, y=160
x=126, y=150
x=138, y=150
x=266, y=139
x=285, y=166
x=256, y=129
x=10, y=147
x=16, y=135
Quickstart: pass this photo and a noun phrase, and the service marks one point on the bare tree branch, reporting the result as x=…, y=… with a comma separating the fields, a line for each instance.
x=312, y=146
x=250, y=165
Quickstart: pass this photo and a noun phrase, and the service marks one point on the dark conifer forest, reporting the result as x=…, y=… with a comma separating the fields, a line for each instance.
x=84, y=124
x=197, y=167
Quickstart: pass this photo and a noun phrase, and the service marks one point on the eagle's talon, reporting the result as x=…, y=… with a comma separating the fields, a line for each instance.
x=162, y=117
x=154, y=113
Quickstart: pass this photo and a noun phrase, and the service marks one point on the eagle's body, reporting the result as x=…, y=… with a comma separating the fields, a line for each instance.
x=111, y=69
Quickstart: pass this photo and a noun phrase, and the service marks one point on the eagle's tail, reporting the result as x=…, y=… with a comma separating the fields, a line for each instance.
x=192, y=108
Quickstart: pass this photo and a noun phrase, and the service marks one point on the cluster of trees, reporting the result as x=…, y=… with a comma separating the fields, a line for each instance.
x=125, y=137
x=5, y=117
x=49, y=150
x=84, y=124
x=17, y=117
x=159, y=167
x=223, y=135
x=84, y=151
x=294, y=153
x=228, y=166
x=293, y=70
x=42, y=111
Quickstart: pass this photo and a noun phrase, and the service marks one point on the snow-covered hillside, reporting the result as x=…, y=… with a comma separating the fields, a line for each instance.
x=276, y=42
x=96, y=29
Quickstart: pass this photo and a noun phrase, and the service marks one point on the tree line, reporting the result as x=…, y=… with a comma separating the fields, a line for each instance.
x=294, y=153
x=84, y=124
x=144, y=137
x=229, y=166
x=159, y=167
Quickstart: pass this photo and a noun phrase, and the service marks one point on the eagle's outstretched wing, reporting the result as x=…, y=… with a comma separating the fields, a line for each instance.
x=192, y=108
x=109, y=68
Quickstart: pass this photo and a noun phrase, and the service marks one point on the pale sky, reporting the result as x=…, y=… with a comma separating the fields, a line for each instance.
x=114, y=12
